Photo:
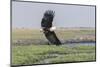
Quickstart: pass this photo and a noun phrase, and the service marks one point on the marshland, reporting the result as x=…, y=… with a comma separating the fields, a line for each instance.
x=29, y=46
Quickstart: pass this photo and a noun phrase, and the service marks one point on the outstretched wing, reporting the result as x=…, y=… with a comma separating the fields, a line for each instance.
x=51, y=36
x=47, y=19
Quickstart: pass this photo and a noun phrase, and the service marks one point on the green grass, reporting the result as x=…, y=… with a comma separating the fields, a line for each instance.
x=40, y=54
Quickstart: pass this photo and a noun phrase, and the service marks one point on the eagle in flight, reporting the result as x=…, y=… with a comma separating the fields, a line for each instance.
x=48, y=29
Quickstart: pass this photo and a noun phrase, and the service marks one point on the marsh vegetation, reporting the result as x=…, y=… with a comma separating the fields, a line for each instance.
x=29, y=46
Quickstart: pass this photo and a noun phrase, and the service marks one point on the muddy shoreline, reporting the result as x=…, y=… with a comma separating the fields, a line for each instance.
x=44, y=42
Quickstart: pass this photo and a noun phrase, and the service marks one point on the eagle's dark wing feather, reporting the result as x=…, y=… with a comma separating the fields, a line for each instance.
x=47, y=19
x=51, y=36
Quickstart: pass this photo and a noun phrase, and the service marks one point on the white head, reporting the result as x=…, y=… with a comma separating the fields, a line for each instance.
x=52, y=28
